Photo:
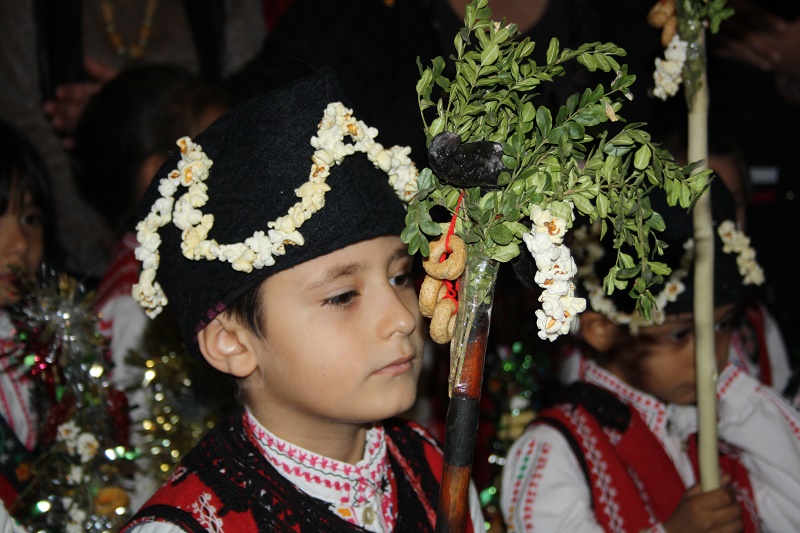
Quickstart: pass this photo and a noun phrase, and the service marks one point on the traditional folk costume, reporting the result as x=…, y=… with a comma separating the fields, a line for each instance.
x=757, y=348
x=296, y=156
x=121, y=318
x=18, y=436
x=243, y=478
x=617, y=459
x=123, y=321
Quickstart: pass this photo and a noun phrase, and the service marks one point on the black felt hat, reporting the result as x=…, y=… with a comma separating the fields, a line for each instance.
x=729, y=282
x=261, y=152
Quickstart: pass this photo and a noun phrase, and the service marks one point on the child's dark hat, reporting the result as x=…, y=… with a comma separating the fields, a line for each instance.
x=245, y=215
x=734, y=262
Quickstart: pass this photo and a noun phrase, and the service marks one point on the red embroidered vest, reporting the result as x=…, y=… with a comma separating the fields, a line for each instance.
x=226, y=484
x=633, y=481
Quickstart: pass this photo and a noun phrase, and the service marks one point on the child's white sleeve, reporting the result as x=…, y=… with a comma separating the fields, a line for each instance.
x=767, y=429
x=7, y=523
x=543, y=487
x=475, y=509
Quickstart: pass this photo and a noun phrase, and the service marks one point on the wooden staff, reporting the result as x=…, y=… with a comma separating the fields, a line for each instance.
x=460, y=436
x=705, y=362
x=467, y=355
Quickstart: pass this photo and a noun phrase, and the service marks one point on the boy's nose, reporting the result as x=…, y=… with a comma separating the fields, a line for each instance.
x=398, y=317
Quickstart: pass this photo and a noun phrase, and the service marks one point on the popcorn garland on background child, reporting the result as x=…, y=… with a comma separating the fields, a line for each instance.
x=587, y=239
x=736, y=241
x=261, y=248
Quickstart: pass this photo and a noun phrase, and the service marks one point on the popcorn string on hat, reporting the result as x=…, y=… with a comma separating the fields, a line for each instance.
x=733, y=241
x=260, y=249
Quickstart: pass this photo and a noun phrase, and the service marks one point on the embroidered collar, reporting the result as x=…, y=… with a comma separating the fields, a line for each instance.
x=652, y=410
x=355, y=492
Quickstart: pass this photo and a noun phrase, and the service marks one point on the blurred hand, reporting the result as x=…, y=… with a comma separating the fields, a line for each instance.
x=714, y=511
x=71, y=99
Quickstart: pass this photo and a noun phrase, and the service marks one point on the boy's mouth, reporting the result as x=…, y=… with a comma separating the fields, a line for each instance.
x=399, y=366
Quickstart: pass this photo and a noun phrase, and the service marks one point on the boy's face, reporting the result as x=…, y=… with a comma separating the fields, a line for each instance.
x=660, y=359
x=21, y=244
x=343, y=339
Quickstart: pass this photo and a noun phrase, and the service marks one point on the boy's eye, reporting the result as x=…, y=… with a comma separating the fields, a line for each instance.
x=726, y=324
x=341, y=300
x=680, y=335
x=30, y=215
x=401, y=280
x=31, y=219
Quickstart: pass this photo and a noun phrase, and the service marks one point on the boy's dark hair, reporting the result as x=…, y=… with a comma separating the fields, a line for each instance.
x=248, y=311
x=23, y=169
x=139, y=113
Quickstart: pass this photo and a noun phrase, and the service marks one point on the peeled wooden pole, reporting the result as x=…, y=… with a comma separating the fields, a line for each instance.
x=705, y=362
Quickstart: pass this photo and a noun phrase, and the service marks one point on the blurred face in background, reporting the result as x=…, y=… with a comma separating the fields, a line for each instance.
x=21, y=244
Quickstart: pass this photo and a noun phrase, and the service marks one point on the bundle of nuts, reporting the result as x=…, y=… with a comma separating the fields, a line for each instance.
x=442, y=267
x=663, y=15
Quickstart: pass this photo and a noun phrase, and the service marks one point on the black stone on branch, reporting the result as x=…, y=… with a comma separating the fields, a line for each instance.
x=476, y=164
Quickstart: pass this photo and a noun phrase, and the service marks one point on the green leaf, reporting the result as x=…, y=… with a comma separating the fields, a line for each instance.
x=588, y=61
x=602, y=205
x=659, y=268
x=429, y=227
x=490, y=55
x=656, y=222
x=505, y=253
x=552, y=50
x=628, y=273
x=583, y=204
x=500, y=234
x=544, y=120
x=641, y=159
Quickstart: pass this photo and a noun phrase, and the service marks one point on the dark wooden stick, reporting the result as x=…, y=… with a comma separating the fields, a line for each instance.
x=461, y=433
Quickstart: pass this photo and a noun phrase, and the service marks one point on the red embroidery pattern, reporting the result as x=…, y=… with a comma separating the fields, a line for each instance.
x=354, y=485
x=597, y=464
x=538, y=457
x=653, y=412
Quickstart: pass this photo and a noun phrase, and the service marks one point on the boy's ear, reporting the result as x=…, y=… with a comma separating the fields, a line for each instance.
x=227, y=346
x=598, y=331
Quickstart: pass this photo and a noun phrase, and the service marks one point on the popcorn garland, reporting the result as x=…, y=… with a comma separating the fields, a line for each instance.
x=588, y=240
x=669, y=71
x=261, y=248
x=555, y=272
x=735, y=241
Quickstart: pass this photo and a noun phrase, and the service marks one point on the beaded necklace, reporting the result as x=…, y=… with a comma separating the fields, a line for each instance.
x=135, y=50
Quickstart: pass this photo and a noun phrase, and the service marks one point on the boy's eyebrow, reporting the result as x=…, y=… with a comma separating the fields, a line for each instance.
x=335, y=272
x=348, y=269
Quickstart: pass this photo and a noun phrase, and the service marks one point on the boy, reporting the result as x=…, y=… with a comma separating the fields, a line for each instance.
x=314, y=314
x=620, y=452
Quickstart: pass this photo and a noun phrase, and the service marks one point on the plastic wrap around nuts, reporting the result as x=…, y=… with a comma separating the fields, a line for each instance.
x=433, y=302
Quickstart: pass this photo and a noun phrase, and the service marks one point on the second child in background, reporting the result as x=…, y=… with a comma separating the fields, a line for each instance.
x=618, y=453
x=127, y=131
x=24, y=238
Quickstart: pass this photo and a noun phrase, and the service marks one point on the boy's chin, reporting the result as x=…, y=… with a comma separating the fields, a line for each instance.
x=686, y=398
x=402, y=405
